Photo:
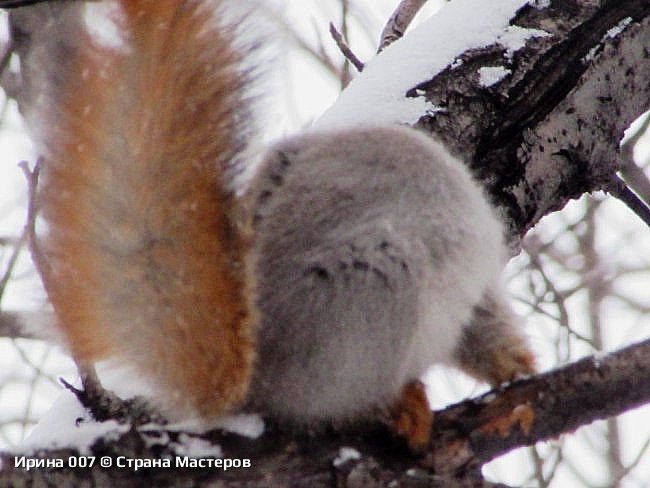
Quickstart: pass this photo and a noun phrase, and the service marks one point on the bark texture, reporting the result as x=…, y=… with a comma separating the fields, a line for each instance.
x=465, y=436
x=550, y=130
x=547, y=132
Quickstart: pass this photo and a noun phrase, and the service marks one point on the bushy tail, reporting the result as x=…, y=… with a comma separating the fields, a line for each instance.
x=146, y=262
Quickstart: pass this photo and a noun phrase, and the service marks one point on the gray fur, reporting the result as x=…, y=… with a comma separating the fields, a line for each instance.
x=372, y=248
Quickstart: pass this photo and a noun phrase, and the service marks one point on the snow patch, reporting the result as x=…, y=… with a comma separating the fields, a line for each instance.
x=195, y=447
x=247, y=425
x=491, y=75
x=610, y=34
x=540, y=4
x=67, y=424
x=346, y=454
x=515, y=37
x=618, y=28
x=378, y=95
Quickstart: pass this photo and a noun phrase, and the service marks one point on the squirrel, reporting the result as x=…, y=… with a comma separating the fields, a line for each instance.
x=351, y=261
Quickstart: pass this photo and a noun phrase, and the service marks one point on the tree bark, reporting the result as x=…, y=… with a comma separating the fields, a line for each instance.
x=465, y=436
x=546, y=133
x=551, y=130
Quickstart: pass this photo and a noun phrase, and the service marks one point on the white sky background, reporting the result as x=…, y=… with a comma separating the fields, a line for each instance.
x=302, y=93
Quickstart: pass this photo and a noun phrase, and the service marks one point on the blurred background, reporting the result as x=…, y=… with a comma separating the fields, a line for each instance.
x=581, y=280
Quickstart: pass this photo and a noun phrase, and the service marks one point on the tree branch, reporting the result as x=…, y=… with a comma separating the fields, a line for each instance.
x=540, y=408
x=549, y=129
x=345, y=49
x=11, y=326
x=547, y=132
x=620, y=190
x=465, y=436
x=399, y=21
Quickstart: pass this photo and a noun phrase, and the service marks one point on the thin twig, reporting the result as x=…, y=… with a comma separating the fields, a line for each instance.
x=13, y=260
x=399, y=22
x=27, y=360
x=319, y=52
x=636, y=460
x=105, y=405
x=32, y=211
x=559, y=297
x=620, y=190
x=6, y=56
x=345, y=49
x=19, y=325
x=346, y=76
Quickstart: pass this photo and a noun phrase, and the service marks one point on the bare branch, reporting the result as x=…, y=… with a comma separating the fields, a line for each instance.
x=32, y=211
x=26, y=325
x=105, y=405
x=11, y=264
x=620, y=190
x=540, y=408
x=345, y=49
x=399, y=21
x=465, y=435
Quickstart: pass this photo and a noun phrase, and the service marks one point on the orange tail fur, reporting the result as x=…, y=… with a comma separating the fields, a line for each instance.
x=146, y=262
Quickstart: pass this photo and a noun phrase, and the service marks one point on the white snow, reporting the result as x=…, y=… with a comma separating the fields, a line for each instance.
x=490, y=75
x=245, y=424
x=618, y=28
x=346, y=454
x=196, y=448
x=610, y=34
x=378, y=94
x=515, y=37
x=67, y=424
x=248, y=425
x=540, y=4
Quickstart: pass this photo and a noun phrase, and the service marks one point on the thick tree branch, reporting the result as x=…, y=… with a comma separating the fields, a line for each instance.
x=545, y=133
x=560, y=111
x=465, y=436
x=541, y=408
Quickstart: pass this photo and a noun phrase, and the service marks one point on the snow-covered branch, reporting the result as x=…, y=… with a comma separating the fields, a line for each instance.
x=534, y=98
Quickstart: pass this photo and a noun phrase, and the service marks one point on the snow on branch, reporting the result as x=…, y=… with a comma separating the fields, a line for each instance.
x=574, y=77
x=465, y=436
x=547, y=129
